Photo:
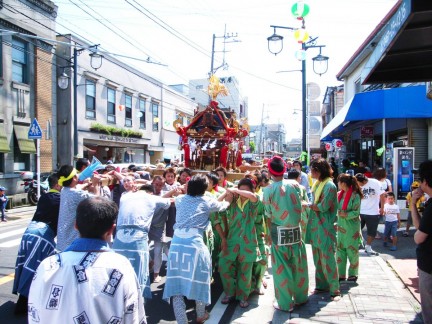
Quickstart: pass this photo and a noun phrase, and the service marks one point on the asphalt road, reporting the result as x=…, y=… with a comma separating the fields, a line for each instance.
x=157, y=310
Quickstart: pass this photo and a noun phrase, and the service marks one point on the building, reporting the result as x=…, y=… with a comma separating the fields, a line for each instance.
x=233, y=102
x=268, y=138
x=385, y=102
x=27, y=75
x=122, y=114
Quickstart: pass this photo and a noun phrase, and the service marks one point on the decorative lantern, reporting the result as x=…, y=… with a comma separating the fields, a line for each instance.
x=328, y=146
x=337, y=143
x=300, y=10
x=121, y=107
x=301, y=35
x=300, y=55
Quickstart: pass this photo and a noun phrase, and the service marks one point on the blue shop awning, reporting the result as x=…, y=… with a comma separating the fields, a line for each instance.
x=406, y=102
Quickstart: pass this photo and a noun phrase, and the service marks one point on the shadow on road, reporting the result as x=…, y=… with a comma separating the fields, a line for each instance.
x=7, y=310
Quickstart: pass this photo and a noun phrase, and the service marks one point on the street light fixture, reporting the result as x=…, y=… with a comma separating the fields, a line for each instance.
x=320, y=63
x=63, y=82
x=320, y=66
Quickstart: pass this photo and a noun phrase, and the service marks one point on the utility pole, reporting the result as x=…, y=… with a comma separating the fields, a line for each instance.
x=225, y=36
x=261, y=144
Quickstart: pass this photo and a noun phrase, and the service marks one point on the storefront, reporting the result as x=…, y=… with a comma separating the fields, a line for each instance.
x=118, y=149
x=397, y=115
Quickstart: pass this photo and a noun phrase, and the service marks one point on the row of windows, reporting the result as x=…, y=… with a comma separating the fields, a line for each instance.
x=111, y=107
x=20, y=74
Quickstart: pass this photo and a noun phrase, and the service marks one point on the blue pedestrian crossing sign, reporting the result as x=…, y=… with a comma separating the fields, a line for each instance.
x=35, y=132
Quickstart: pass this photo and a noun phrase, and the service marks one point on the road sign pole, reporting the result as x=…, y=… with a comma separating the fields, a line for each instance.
x=38, y=166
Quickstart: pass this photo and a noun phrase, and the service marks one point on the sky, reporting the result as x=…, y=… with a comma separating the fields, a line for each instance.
x=179, y=34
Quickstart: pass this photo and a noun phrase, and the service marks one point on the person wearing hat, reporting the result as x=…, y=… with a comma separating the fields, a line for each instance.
x=3, y=203
x=419, y=205
x=283, y=208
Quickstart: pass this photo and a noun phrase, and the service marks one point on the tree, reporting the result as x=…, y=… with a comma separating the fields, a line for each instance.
x=252, y=147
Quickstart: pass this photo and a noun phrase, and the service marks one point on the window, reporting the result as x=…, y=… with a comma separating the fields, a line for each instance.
x=90, y=99
x=19, y=61
x=128, y=110
x=155, y=113
x=199, y=87
x=21, y=160
x=111, y=99
x=142, y=116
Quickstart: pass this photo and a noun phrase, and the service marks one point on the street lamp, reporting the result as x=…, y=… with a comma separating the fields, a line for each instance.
x=63, y=82
x=320, y=65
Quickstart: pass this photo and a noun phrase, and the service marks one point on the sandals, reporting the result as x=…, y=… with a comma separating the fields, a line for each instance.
x=352, y=278
x=336, y=296
x=201, y=320
x=227, y=300
x=244, y=304
x=264, y=283
x=319, y=291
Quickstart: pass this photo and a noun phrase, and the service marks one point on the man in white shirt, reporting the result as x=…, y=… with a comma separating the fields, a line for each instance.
x=304, y=181
x=371, y=207
x=88, y=282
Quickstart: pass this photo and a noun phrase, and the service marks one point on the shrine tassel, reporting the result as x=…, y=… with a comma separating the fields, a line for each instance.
x=223, y=156
x=239, y=158
x=186, y=150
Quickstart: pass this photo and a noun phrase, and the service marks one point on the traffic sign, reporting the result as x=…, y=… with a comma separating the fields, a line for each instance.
x=35, y=131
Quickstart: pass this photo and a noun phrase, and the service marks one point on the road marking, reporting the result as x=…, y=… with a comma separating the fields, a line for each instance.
x=7, y=278
x=12, y=233
x=217, y=311
x=11, y=243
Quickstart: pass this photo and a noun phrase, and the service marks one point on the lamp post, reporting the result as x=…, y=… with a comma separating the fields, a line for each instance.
x=320, y=65
x=63, y=83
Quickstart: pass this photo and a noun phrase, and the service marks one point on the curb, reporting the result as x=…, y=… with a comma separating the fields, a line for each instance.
x=386, y=266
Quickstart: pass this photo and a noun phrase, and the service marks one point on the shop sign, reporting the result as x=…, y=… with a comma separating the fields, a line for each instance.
x=367, y=132
x=118, y=139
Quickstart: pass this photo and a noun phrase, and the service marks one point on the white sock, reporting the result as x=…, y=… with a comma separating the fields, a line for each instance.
x=368, y=248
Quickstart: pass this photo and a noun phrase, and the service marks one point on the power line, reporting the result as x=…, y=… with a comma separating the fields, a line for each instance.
x=100, y=21
x=168, y=28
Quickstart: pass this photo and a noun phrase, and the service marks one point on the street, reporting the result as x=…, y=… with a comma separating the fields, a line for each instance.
x=371, y=299
x=158, y=311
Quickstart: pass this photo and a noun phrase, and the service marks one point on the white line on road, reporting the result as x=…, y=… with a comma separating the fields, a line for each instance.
x=11, y=243
x=12, y=233
x=217, y=311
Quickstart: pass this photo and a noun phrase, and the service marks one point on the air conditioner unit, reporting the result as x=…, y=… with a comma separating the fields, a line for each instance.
x=429, y=90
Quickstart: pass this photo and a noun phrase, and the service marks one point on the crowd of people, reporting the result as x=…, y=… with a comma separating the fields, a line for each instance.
x=206, y=226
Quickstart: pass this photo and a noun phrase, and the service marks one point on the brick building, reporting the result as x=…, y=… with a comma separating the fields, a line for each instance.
x=26, y=92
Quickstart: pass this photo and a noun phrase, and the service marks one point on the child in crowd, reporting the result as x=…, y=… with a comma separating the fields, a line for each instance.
x=420, y=204
x=3, y=202
x=392, y=220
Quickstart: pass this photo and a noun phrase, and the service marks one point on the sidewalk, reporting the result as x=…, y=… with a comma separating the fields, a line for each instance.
x=406, y=269
x=379, y=296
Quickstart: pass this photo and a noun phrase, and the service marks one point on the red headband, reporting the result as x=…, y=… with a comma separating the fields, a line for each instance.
x=272, y=171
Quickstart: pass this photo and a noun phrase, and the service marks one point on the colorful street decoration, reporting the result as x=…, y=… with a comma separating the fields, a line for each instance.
x=214, y=137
